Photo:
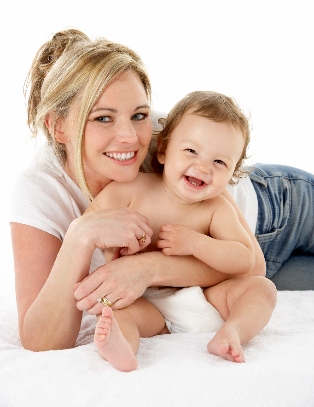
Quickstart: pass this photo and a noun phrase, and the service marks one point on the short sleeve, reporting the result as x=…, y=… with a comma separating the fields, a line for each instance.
x=245, y=196
x=44, y=201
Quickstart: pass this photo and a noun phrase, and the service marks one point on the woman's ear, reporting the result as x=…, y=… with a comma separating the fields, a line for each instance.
x=56, y=128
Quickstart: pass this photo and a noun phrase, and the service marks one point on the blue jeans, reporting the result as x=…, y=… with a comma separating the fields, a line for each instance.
x=285, y=223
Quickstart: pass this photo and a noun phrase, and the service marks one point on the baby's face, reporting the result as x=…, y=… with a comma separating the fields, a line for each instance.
x=200, y=158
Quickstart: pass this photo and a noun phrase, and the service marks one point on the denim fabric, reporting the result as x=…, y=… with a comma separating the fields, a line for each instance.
x=296, y=274
x=285, y=222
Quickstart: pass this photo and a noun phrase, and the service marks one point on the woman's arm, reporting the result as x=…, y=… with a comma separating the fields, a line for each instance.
x=125, y=279
x=46, y=272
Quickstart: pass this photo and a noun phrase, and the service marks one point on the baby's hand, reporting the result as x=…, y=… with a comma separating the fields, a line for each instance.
x=176, y=240
x=123, y=251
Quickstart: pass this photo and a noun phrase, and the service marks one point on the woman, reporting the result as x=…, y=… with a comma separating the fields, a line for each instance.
x=91, y=100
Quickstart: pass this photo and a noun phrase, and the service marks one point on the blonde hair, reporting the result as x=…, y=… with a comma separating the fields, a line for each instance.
x=212, y=105
x=68, y=65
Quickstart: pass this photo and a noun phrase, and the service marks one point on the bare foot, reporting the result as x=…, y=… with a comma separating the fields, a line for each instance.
x=226, y=343
x=111, y=343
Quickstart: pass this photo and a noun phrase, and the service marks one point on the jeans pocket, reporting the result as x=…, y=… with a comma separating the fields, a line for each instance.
x=274, y=207
x=272, y=232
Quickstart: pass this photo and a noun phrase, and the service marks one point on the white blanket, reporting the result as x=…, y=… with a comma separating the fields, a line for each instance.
x=174, y=370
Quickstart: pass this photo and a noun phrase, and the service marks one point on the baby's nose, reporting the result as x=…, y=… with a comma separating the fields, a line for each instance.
x=203, y=166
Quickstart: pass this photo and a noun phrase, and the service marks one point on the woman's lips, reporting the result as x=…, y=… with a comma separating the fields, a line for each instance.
x=125, y=156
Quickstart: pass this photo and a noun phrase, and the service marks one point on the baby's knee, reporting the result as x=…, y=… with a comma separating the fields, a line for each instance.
x=265, y=287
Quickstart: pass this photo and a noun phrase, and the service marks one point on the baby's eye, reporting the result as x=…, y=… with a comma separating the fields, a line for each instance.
x=139, y=116
x=190, y=150
x=103, y=119
x=220, y=162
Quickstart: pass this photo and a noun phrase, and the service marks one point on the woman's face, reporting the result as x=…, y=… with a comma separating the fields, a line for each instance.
x=117, y=133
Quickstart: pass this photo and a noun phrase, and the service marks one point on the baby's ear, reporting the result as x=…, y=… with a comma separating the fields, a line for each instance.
x=161, y=158
x=160, y=154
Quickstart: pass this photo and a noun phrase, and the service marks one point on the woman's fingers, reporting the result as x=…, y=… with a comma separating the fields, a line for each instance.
x=121, y=281
x=141, y=241
x=121, y=228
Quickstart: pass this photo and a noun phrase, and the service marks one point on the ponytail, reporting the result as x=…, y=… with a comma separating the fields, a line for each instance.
x=45, y=58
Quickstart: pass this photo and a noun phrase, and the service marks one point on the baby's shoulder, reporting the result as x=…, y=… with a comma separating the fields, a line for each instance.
x=218, y=202
x=143, y=181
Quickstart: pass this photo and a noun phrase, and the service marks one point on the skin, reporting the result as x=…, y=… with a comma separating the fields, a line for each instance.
x=199, y=161
x=46, y=269
x=203, y=150
x=48, y=272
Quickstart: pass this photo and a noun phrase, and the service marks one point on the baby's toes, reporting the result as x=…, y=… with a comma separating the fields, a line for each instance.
x=237, y=354
x=107, y=312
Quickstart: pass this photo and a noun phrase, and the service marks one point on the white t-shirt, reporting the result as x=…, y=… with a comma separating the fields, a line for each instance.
x=46, y=198
x=245, y=196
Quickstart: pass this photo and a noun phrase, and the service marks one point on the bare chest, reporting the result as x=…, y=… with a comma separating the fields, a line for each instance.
x=161, y=212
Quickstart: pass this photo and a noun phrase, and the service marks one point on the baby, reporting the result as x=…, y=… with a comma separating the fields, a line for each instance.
x=199, y=151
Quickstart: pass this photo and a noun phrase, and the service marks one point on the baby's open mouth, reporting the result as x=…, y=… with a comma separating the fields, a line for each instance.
x=194, y=181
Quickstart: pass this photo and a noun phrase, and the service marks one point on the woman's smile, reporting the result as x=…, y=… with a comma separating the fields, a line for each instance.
x=121, y=156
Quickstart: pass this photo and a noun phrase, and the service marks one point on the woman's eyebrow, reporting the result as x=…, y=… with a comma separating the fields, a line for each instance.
x=104, y=108
x=109, y=109
x=146, y=106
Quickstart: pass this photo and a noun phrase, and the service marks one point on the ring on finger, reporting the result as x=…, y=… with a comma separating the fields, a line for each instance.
x=105, y=301
x=143, y=238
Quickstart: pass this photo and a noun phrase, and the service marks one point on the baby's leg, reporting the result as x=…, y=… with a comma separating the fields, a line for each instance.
x=246, y=304
x=118, y=333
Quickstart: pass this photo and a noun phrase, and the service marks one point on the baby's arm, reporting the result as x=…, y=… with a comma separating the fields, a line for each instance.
x=227, y=248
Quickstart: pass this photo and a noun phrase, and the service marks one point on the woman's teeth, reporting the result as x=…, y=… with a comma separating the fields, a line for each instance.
x=121, y=156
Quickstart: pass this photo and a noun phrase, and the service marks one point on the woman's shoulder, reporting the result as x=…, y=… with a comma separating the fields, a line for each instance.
x=245, y=196
x=45, y=197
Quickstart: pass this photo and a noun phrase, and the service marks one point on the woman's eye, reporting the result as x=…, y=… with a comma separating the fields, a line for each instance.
x=103, y=119
x=220, y=162
x=190, y=150
x=139, y=116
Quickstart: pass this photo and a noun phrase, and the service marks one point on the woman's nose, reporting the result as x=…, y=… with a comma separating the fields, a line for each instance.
x=125, y=131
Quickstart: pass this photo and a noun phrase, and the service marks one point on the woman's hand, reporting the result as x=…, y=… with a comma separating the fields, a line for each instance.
x=121, y=281
x=110, y=228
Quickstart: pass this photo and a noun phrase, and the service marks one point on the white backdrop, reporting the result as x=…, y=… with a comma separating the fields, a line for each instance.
x=260, y=52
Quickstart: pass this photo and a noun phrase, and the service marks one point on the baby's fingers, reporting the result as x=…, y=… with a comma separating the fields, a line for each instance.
x=162, y=243
x=165, y=247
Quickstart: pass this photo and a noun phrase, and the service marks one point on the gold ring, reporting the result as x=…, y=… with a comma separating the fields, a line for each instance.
x=143, y=238
x=105, y=301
